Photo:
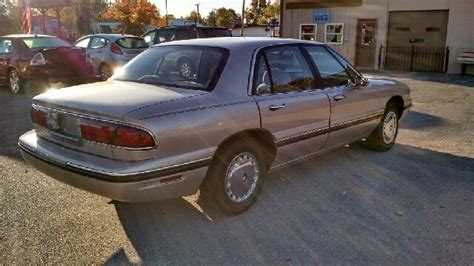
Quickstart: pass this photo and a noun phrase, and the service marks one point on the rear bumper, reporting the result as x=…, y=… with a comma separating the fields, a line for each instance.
x=158, y=184
x=54, y=74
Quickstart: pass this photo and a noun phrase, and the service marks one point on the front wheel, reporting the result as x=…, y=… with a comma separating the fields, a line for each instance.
x=104, y=72
x=235, y=177
x=384, y=136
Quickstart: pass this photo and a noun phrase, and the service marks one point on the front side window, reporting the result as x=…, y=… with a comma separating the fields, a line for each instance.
x=334, y=33
x=44, y=42
x=6, y=46
x=331, y=71
x=150, y=38
x=287, y=70
x=166, y=35
x=188, y=67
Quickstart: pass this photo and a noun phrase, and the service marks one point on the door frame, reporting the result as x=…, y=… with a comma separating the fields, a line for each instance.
x=357, y=43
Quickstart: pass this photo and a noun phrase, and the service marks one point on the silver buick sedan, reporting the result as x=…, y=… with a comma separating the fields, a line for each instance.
x=243, y=106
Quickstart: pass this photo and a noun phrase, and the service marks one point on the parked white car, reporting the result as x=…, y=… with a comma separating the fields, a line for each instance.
x=109, y=51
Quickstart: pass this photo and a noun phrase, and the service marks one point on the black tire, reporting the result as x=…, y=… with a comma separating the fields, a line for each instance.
x=214, y=187
x=185, y=67
x=104, y=72
x=15, y=84
x=377, y=141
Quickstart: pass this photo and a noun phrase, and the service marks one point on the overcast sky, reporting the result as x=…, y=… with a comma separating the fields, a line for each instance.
x=183, y=7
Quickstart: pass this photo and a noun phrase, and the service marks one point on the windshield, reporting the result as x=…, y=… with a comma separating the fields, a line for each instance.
x=189, y=67
x=132, y=43
x=40, y=42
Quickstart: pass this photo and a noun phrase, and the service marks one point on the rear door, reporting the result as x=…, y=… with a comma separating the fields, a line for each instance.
x=292, y=108
x=354, y=108
x=6, y=50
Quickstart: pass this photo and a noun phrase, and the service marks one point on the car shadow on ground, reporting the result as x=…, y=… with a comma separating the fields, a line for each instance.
x=408, y=205
x=417, y=120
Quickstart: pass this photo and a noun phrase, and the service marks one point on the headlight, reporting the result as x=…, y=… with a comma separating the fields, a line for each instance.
x=38, y=60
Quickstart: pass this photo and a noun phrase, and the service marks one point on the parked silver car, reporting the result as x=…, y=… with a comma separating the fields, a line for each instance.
x=251, y=105
x=109, y=51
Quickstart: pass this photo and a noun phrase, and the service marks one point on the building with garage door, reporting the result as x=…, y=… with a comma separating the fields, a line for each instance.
x=408, y=35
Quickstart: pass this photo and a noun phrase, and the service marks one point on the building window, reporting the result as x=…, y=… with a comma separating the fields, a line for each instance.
x=308, y=32
x=334, y=33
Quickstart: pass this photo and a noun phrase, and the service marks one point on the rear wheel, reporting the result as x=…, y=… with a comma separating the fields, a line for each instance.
x=383, y=138
x=235, y=177
x=104, y=72
x=14, y=81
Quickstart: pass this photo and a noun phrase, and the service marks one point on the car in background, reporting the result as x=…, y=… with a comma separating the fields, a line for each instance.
x=175, y=33
x=109, y=51
x=40, y=58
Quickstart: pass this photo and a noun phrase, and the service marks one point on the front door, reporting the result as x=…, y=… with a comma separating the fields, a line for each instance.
x=366, y=43
x=355, y=110
x=291, y=106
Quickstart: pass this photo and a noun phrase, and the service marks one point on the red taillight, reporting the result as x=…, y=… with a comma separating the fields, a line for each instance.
x=114, y=48
x=133, y=137
x=114, y=134
x=39, y=117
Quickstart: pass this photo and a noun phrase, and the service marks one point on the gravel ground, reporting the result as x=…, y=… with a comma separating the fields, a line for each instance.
x=411, y=205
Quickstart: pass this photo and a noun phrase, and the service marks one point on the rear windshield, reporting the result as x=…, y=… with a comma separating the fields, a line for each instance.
x=210, y=33
x=42, y=42
x=132, y=43
x=189, y=67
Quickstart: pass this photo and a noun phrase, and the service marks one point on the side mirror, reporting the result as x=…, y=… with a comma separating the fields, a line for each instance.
x=263, y=88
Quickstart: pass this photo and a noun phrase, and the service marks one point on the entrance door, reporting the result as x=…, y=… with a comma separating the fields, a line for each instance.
x=366, y=42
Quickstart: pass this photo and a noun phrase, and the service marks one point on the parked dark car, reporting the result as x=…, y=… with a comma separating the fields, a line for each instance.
x=175, y=33
x=41, y=58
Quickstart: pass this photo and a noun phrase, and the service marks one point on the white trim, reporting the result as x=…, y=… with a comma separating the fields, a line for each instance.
x=326, y=33
x=315, y=34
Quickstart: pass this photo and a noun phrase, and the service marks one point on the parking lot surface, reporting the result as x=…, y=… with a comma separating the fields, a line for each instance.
x=413, y=204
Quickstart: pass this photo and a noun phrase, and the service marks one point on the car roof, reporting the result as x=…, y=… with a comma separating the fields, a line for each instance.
x=114, y=36
x=237, y=43
x=29, y=36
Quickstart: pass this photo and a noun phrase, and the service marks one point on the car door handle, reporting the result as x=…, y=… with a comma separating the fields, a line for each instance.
x=339, y=97
x=275, y=107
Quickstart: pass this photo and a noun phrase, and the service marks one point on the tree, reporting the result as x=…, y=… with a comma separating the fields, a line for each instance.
x=133, y=15
x=255, y=11
x=211, y=18
x=226, y=17
x=271, y=11
x=193, y=16
x=10, y=18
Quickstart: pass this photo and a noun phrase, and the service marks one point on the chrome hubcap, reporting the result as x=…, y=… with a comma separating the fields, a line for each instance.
x=104, y=73
x=389, y=127
x=14, y=82
x=241, y=177
x=185, y=70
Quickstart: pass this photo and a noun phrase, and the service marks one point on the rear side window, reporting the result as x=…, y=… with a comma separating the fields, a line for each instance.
x=331, y=71
x=44, y=42
x=6, y=46
x=150, y=37
x=211, y=33
x=289, y=70
x=132, y=43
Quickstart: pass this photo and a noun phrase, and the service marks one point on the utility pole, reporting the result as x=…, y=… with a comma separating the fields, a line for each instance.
x=197, y=7
x=166, y=10
x=243, y=18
